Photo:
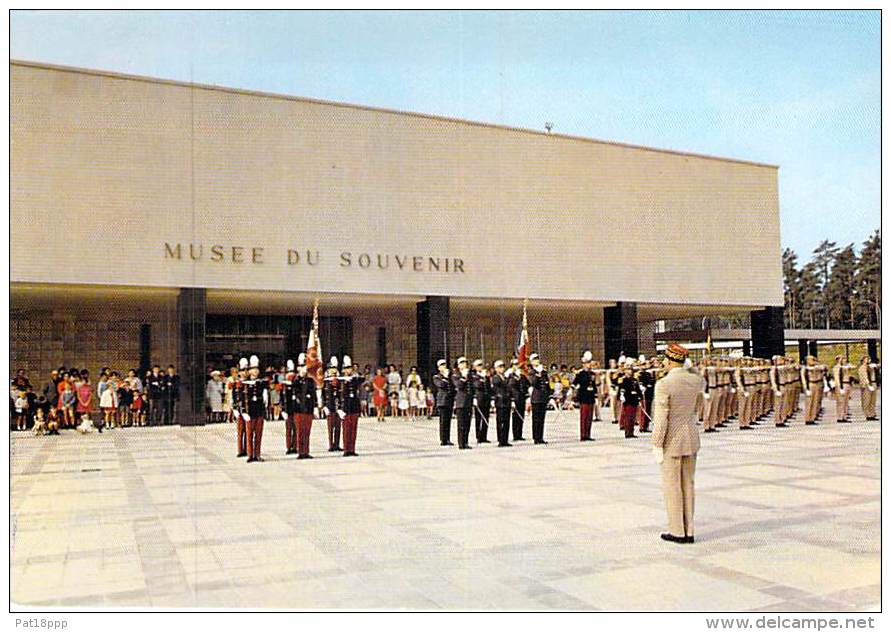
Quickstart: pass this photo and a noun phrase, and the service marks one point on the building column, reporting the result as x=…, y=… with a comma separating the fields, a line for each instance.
x=872, y=349
x=747, y=348
x=620, y=331
x=145, y=349
x=812, y=348
x=191, y=312
x=432, y=334
x=768, y=332
x=802, y=351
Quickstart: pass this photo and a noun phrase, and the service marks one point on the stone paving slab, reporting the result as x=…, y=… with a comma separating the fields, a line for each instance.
x=168, y=517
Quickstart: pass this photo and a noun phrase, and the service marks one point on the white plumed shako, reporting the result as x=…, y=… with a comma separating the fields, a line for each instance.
x=301, y=359
x=290, y=365
x=243, y=363
x=347, y=361
x=255, y=362
x=333, y=362
x=587, y=356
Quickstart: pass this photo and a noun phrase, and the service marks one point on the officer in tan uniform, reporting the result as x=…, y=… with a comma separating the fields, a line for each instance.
x=711, y=397
x=813, y=380
x=777, y=384
x=676, y=442
x=866, y=376
x=743, y=394
x=841, y=387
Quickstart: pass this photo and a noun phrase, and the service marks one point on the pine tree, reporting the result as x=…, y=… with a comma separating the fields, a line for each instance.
x=824, y=255
x=840, y=293
x=868, y=305
x=791, y=287
x=810, y=295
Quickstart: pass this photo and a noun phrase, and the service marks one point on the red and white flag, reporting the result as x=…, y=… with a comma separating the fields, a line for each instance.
x=523, y=344
x=314, y=365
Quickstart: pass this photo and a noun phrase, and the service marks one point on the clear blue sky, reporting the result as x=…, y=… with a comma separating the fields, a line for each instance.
x=797, y=89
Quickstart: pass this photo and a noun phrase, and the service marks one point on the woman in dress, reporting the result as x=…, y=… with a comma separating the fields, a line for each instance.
x=379, y=384
x=227, y=394
x=215, y=396
x=403, y=401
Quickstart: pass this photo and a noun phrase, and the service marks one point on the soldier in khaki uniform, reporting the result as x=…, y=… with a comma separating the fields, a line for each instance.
x=777, y=375
x=741, y=380
x=711, y=396
x=813, y=380
x=866, y=376
x=676, y=442
x=841, y=388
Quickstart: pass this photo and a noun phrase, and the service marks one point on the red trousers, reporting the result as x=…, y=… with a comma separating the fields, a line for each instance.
x=350, y=426
x=629, y=416
x=241, y=435
x=586, y=416
x=254, y=437
x=304, y=426
x=291, y=432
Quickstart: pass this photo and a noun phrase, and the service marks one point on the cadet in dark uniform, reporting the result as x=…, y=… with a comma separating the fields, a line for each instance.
x=586, y=395
x=156, y=387
x=463, y=402
x=305, y=386
x=518, y=385
x=171, y=395
x=539, y=395
x=255, y=395
x=240, y=409
x=482, y=401
x=289, y=408
x=647, y=379
x=445, y=401
x=331, y=404
x=629, y=395
x=503, y=402
x=350, y=396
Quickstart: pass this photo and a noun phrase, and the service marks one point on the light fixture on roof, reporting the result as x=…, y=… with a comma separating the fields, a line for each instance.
x=549, y=126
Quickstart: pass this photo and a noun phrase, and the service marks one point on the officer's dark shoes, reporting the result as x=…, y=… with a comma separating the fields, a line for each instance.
x=646, y=430
x=746, y=428
x=677, y=539
x=811, y=423
x=251, y=459
x=520, y=439
x=710, y=430
x=240, y=455
x=689, y=539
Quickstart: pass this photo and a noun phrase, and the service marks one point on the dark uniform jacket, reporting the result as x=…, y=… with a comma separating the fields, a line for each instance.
x=331, y=393
x=463, y=390
x=445, y=391
x=289, y=394
x=305, y=388
x=350, y=393
x=252, y=397
x=541, y=387
x=630, y=389
x=501, y=391
x=648, y=382
x=482, y=390
x=584, y=380
x=518, y=384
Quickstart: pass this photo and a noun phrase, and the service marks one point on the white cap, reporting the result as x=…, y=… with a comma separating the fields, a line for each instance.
x=255, y=362
x=333, y=362
x=462, y=359
x=499, y=363
x=534, y=356
x=440, y=363
x=347, y=361
x=243, y=363
x=477, y=362
x=642, y=358
x=290, y=365
x=587, y=356
x=301, y=359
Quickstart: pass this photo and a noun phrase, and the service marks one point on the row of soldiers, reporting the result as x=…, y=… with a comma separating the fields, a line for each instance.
x=337, y=395
x=745, y=389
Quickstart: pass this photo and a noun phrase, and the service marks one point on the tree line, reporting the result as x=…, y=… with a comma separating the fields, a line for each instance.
x=836, y=289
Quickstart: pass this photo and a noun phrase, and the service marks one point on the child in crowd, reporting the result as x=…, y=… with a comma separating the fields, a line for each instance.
x=403, y=401
x=108, y=402
x=67, y=401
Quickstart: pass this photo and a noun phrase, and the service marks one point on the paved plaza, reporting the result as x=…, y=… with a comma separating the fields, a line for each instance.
x=787, y=519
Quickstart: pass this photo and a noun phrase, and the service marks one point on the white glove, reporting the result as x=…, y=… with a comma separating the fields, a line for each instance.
x=513, y=405
x=807, y=392
x=825, y=389
x=622, y=398
x=326, y=411
x=529, y=392
x=475, y=403
x=706, y=396
x=871, y=389
x=778, y=393
x=747, y=394
x=732, y=391
x=658, y=455
x=245, y=416
x=341, y=414
x=284, y=415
